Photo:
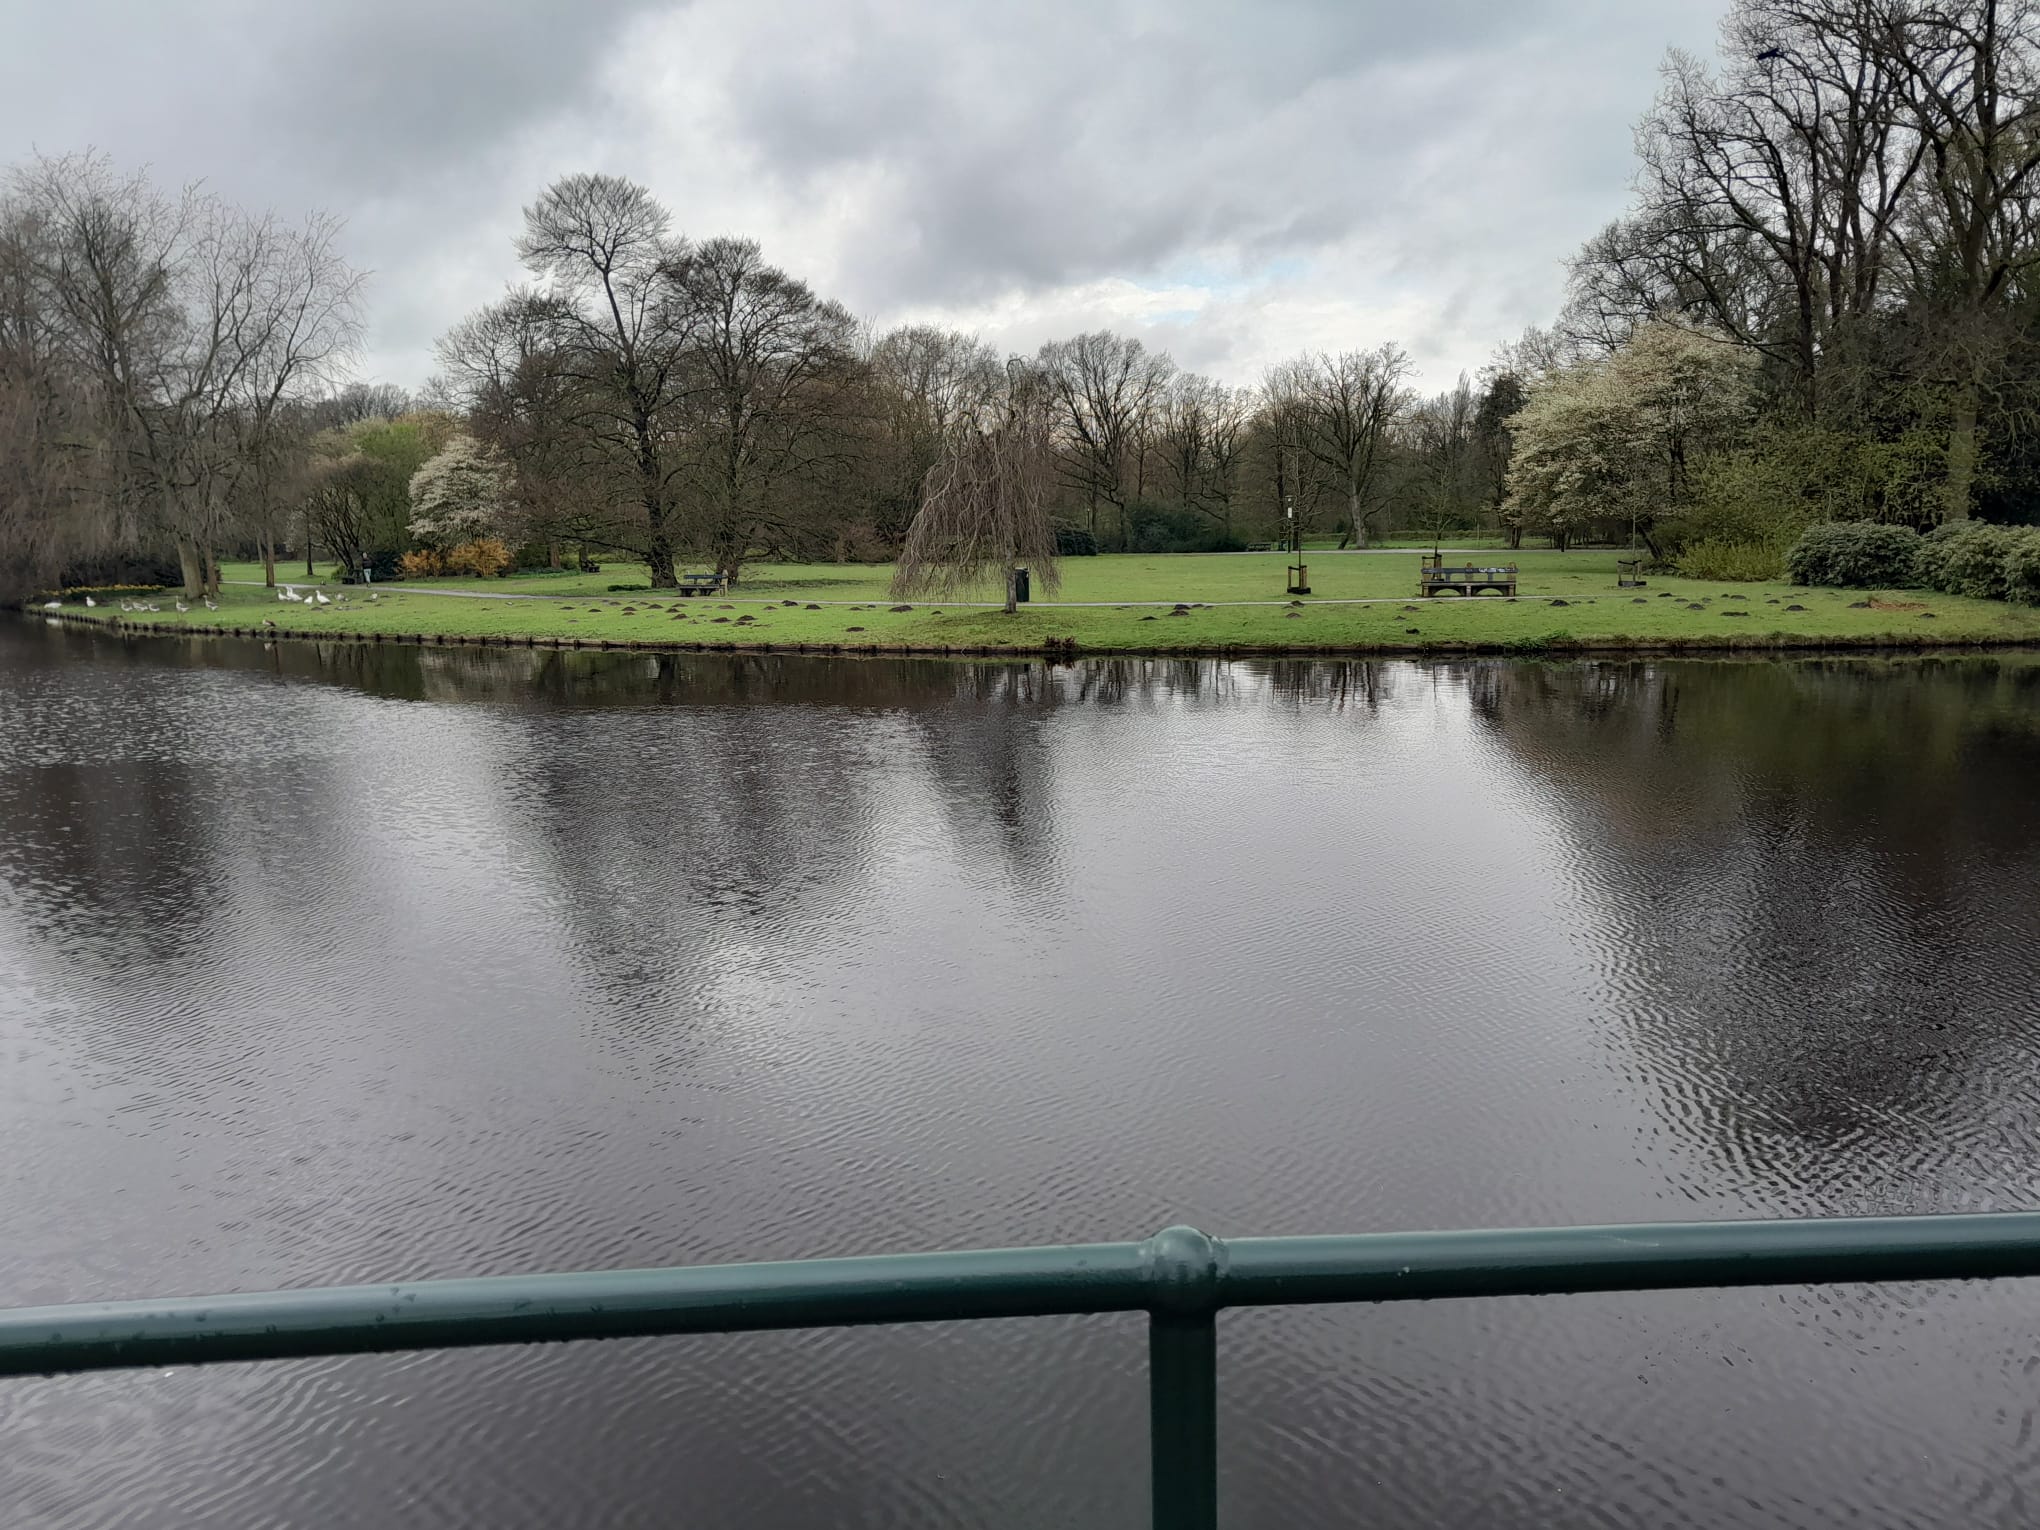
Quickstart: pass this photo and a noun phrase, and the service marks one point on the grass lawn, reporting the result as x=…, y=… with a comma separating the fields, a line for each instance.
x=1165, y=577
x=1582, y=608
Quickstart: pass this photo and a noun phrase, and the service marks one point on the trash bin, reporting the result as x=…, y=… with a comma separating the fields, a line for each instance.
x=1020, y=584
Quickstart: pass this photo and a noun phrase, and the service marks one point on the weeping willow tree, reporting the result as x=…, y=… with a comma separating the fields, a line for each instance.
x=984, y=512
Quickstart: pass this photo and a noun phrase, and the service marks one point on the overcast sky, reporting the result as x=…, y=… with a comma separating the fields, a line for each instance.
x=1232, y=182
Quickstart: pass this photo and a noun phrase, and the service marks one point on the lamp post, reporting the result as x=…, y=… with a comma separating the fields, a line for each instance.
x=1299, y=574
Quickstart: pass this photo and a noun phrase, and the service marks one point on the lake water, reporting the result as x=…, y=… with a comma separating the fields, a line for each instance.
x=329, y=964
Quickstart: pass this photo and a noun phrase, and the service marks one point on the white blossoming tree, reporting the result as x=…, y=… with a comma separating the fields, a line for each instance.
x=458, y=496
x=1618, y=438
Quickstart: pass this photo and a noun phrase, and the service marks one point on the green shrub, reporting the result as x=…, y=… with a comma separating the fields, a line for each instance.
x=122, y=572
x=1713, y=558
x=1074, y=541
x=1747, y=499
x=1152, y=527
x=1965, y=558
x=1930, y=558
x=1858, y=554
x=2022, y=565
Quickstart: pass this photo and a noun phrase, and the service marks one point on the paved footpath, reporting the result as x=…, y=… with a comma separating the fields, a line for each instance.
x=877, y=602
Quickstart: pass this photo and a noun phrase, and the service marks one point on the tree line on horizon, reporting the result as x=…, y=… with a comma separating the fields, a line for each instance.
x=1820, y=306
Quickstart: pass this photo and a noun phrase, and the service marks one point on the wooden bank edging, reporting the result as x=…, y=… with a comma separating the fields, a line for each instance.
x=1065, y=649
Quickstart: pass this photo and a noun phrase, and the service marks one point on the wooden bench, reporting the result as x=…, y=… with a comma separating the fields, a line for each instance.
x=701, y=584
x=1440, y=578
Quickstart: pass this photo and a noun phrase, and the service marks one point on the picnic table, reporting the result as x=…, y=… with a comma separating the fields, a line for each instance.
x=701, y=584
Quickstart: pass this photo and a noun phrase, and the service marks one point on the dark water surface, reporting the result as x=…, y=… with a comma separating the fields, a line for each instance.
x=348, y=964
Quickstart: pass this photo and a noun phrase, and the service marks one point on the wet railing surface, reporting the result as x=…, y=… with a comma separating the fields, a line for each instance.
x=1180, y=1277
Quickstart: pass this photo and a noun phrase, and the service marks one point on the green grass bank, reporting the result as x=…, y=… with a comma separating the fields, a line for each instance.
x=1360, y=603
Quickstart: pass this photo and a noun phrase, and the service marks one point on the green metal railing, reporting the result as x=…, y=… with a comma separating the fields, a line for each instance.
x=1179, y=1277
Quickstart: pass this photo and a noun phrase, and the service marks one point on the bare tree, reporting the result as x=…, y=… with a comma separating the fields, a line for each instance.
x=1295, y=480
x=524, y=398
x=50, y=458
x=301, y=320
x=1441, y=436
x=1772, y=195
x=1226, y=436
x=608, y=334
x=1103, y=387
x=1344, y=407
x=1199, y=430
x=1971, y=81
x=985, y=513
x=361, y=401
x=197, y=325
x=768, y=373
x=923, y=381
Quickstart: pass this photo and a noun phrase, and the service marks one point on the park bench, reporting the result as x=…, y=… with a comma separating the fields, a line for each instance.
x=701, y=584
x=1438, y=577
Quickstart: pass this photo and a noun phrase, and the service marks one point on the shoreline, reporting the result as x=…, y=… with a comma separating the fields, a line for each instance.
x=1066, y=650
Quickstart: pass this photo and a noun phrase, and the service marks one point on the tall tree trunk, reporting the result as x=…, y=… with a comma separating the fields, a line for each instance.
x=1806, y=349
x=658, y=543
x=728, y=552
x=268, y=557
x=191, y=564
x=1012, y=587
x=1353, y=517
x=659, y=556
x=212, y=574
x=1281, y=487
x=1961, y=449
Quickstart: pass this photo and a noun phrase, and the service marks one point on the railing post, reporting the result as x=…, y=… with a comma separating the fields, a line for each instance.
x=1183, y=1266
x=1183, y=1420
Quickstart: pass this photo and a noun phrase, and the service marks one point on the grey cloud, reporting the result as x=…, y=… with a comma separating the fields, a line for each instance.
x=1454, y=148
x=1081, y=140
x=309, y=103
